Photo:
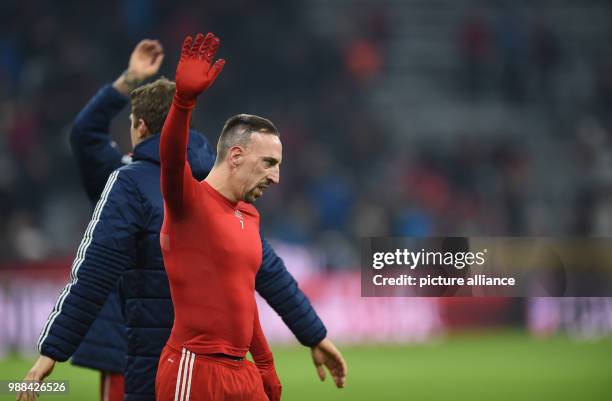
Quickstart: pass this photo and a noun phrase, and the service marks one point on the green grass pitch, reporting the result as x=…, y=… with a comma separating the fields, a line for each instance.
x=494, y=366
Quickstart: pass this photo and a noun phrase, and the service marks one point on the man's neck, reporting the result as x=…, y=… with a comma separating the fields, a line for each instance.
x=218, y=178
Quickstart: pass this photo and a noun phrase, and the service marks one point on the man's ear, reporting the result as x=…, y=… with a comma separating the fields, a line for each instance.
x=236, y=156
x=143, y=130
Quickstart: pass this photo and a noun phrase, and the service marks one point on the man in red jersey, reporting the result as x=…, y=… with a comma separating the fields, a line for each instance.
x=212, y=249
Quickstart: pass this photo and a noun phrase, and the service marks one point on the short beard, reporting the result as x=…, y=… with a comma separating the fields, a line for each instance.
x=250, y=197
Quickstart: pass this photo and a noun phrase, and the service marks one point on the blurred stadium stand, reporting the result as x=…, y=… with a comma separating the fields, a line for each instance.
x=398, y=117
x=391, y=113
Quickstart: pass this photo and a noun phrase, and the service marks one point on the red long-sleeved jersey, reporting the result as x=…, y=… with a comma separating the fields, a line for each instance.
x=212, y=251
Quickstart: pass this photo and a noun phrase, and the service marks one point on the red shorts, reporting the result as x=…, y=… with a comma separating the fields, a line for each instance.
x=111, y=386
x=185, y=376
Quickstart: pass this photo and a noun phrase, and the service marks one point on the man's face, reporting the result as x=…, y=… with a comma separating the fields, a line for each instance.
x=133, y=132
x=138, y=130
x=261, y=165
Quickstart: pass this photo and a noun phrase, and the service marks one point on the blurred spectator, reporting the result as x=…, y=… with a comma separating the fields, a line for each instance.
x=547, y=58
x=363, y=60
x=512, y=47
x=475, y=48
x=28, y=240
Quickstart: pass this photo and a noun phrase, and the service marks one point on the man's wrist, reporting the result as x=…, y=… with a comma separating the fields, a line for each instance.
x=313, y=335
x=48, y=358
x=184, y=102
x=320, y=343
x=264, y=361
x=126, y=82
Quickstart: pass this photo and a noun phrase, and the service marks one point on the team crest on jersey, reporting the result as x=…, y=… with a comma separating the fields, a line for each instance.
x=238, y=214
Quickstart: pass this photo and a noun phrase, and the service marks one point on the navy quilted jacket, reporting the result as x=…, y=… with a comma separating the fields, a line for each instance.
x=119, y=261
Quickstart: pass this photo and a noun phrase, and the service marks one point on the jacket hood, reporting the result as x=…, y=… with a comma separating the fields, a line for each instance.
x=199, y=153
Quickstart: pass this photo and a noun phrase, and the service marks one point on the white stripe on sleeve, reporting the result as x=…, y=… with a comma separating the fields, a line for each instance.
x=80, y=256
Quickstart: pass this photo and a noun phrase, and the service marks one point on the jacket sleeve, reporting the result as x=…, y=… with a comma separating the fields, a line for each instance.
x=106, y=249
x=95, y=152
x=278, y=287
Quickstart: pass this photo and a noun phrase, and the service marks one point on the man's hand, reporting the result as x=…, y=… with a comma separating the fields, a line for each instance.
x=145, y=60
x=326, y=353
x=267, y=371
x=41, y=369
x=195, y=71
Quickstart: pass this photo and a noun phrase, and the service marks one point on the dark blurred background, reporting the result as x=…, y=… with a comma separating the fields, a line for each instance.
x=398, y=117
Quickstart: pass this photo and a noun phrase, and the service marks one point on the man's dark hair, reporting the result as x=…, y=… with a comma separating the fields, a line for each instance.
x=151, y=102
x=238, y=129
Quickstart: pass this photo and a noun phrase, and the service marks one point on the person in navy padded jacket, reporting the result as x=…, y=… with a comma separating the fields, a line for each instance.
x=119, y=267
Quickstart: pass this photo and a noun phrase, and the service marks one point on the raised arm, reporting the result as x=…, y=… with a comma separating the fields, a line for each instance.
x=145, y=60
x=96, y=154
x=194, y=74
x=262, y=356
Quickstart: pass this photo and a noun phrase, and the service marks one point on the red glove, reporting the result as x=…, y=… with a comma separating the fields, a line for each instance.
x=195, y=71
x=271, y=383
